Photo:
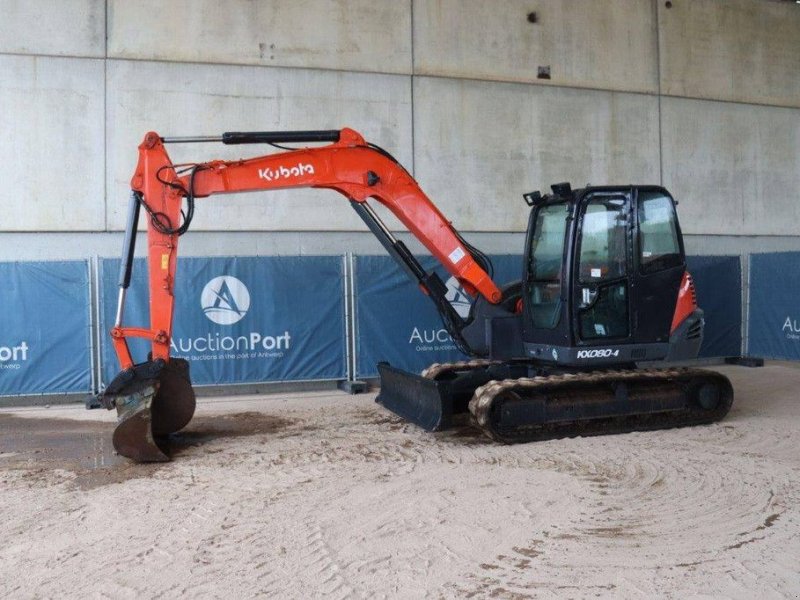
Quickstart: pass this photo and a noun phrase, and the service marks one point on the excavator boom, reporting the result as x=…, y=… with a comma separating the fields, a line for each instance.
x=156, y=396
x=348, y=165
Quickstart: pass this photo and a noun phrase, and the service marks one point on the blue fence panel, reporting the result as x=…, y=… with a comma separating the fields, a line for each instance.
x=395, y=322
x=398, y=324
x=718, y=280
x=242, y=319
x=45, y=335
x=774, y=323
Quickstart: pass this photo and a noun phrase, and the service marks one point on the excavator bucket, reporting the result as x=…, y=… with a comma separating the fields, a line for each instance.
x=133, y=437
x=422, y=401
x=152, y=399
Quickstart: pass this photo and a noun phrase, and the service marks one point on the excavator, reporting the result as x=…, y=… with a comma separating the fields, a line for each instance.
x=603, y=288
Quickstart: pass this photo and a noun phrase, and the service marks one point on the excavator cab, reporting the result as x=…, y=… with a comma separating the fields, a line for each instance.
x=602, y=275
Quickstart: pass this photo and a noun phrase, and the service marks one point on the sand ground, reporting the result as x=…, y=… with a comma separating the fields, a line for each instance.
x=325, y=495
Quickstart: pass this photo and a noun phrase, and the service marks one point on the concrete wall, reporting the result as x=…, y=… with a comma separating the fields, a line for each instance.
x=737, y=50
x=185, y=99
x=735, y=166
x=345, y=35
x=608, y=44
x=703, y=96
x=479, y=145
x=52, y=144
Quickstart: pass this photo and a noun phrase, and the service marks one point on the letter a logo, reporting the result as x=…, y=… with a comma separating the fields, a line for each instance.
x=458, y=297
x=225, y=300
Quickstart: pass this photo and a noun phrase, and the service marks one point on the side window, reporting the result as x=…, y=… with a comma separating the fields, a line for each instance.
x=547, y=251
x=603, y=240
x=658, y=233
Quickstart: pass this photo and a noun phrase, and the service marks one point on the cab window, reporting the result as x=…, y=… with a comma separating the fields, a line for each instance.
x=603, y=240
x=659, y=247
x=547, y=251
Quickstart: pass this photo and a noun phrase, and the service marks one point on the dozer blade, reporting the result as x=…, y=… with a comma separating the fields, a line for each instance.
x=422, y=401
x=152, y=399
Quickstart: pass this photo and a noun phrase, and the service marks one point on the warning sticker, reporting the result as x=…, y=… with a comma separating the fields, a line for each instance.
x=456, y=255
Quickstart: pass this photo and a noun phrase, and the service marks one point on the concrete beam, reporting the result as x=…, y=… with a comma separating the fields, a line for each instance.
x=606, y=44
x=178, y=99
x=738, y=50
x=64, y=28
x=480, y=146
x=357, y=35
x=52, y=148
x=69, y=246
x=735, y=168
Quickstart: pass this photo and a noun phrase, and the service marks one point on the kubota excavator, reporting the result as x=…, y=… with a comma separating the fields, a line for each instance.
x=603, y=287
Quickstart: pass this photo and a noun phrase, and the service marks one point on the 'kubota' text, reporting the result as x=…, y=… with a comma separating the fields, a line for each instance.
x=285, y=172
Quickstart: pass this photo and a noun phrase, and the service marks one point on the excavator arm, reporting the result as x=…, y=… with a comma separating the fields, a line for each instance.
x=348, y=165
x=155, y=397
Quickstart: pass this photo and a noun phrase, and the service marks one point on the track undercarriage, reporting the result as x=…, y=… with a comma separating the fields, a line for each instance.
x=518, y=402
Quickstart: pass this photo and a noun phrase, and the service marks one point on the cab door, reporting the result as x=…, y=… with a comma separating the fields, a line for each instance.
x=659, y=265
x=546, y=321
x=601, y=286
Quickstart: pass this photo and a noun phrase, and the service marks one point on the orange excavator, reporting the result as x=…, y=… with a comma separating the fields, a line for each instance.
x=603, y=288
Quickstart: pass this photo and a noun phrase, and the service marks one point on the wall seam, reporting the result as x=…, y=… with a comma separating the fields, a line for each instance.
x=413, y=71
x=105, y=123
x=658, y=87
x=47, y=55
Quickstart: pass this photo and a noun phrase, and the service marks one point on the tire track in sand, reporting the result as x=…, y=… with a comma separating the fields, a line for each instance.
x=663, y=502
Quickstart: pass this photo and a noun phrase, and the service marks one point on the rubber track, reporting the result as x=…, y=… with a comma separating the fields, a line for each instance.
x=436, y=369
x=485, y=396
